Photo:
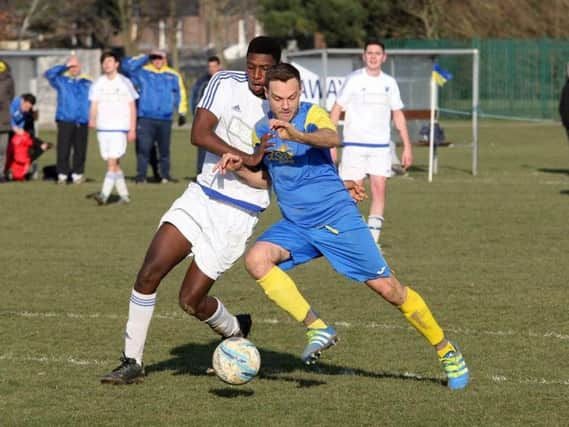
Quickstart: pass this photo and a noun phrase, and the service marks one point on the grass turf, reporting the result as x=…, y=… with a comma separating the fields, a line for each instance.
x=489, y=254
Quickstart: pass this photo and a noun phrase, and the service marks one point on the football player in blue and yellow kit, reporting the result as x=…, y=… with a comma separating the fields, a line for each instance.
x=320, y=218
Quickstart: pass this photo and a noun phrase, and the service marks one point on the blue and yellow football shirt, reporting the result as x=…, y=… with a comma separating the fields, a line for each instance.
x=307, y=186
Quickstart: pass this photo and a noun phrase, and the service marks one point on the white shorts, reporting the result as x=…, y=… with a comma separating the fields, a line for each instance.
x=112, y=145
x=358, y=162
x=218, y=231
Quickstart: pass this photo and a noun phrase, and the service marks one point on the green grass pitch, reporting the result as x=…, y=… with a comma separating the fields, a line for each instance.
x=490, y=255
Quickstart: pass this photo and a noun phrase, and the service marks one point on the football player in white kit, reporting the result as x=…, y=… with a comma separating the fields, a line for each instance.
x=113, y=114
x=370, y=99
x=214, y=217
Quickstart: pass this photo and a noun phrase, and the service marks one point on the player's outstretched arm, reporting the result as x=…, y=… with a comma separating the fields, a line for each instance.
x=322, y=138
x=203, y=135
x=233, y=163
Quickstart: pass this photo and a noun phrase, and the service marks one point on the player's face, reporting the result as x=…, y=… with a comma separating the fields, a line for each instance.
x=284, y=98
x=374, y=57
x=110, y=65
x=257, y=66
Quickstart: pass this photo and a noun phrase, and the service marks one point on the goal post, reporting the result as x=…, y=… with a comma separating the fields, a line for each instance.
x=412, y=68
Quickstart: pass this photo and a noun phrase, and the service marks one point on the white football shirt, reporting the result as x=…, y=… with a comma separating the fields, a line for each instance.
x=113, y=98
x=368, y=102
x=228, y=97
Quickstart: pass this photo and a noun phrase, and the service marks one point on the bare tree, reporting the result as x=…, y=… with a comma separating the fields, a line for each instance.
x=430, y=13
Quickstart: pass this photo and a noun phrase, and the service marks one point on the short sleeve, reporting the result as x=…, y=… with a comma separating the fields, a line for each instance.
x=261, y=128
x=132, y=93
x=318, y=118
x=216, y=95
x=343, y=98
x=395, y=101
x=93, y=91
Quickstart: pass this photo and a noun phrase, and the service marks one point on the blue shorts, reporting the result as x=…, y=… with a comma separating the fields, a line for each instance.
x=346, y=244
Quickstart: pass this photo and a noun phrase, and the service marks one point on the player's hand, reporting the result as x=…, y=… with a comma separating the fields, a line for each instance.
x=72, y=61
x=257, y=157
x=285, y=130
x=181, y=120
x=357, y=191
x=131, y=136
x=228, y=163
x=407, y=158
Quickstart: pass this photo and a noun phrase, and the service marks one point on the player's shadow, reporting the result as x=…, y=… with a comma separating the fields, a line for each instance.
x=554, y=171
x=113, y=198
x=558, y=172
x=417, y=168
x=195, y=359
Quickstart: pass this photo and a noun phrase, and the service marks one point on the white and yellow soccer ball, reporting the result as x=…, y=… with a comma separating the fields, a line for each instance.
x=236, y=361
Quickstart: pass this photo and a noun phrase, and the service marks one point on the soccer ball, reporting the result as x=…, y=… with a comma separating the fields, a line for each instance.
x=236, y=361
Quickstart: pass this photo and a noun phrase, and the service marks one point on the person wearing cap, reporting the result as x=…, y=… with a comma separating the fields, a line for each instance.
x=72, y=118
x=162, y=92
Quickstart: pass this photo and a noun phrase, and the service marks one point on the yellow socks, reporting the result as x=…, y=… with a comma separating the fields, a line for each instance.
x=318, y=324
x=419, y=315
x=280, y=288
x=448, y=347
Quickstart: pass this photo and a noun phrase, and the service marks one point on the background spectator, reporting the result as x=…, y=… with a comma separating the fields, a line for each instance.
x=161, y=91
x=72, y=117
x=213, y=66
x=21, y=112
x=23, y=150
x=564, y=104
x=6, y=95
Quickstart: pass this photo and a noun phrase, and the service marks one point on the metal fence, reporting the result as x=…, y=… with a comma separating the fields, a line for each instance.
x=28, y=67
x=518, y=78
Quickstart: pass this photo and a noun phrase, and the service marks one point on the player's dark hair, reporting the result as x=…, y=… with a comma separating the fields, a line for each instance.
x=109, y=54
x=28, y=97
x=282, y=72
x=267, y=46
x=374, y=41
x=214, y=58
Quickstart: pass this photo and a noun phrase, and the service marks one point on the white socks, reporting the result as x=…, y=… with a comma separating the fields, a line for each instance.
x=121, y=185
x=375, y=222
x=223, y=322
x=108, y=184
x=140, y=312
x=114, y=179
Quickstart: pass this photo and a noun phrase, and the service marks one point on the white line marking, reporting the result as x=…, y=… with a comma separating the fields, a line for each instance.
x=369, y=325
x=70, y=360
x=74, y=361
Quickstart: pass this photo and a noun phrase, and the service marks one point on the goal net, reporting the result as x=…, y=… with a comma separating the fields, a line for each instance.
x=412, y=68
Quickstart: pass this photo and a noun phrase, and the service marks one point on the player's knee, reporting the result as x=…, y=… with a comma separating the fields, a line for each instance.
x=251, y=258
x=256, y=261
x=390, y=289
x=147, y=280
